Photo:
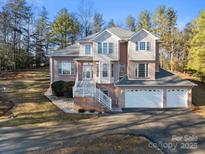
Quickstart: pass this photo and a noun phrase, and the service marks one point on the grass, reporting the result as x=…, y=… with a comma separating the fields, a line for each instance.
x=108, y=144
x=198, y=93
x=26, y=90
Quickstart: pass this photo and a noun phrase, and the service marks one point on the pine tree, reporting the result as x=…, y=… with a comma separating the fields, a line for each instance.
x=130, y=21
x=144, y=21
x=98, y=22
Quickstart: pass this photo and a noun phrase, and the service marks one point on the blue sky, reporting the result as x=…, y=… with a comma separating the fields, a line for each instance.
x=187, y=10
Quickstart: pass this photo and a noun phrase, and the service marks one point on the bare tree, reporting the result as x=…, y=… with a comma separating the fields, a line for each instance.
x=85, y=16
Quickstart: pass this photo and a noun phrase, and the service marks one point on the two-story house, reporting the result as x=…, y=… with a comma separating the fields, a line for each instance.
x=119, y=68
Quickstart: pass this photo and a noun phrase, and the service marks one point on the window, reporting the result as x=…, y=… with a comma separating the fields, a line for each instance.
x=66, y=67
x=105, y=70
x=110, y=47
x=136, y=46
x=99, y=47
x=142, y=45
x=105, y=48
x=122, y=70
x=148, y=46
x=112, y=70
x=141, y=70
x=98, y=70
x=87, y=48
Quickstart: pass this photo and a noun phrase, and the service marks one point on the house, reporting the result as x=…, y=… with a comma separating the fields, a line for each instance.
x=117, y=68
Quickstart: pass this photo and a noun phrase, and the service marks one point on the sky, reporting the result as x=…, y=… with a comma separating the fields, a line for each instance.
x=118, y=10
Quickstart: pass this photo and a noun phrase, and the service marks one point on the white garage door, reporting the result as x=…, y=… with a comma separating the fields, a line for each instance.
x=143, y=98
x=177, y=97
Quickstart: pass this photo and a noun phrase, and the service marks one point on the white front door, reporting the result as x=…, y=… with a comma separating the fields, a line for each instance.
x=177, y=97
x=87, y=71
x=144, y=98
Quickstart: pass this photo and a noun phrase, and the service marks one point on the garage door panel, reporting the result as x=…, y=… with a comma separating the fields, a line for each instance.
x=177, y=97
x=144, y=98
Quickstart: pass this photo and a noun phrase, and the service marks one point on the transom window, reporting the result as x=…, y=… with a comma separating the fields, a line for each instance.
x=141, y=71
x=66, y=68
x=105, y=48
x=87, y=48
x=143, y=46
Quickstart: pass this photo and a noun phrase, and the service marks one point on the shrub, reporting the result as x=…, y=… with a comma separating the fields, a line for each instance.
x=81, y=110
x=92, y=110
x=57, y=88
x=68, y=89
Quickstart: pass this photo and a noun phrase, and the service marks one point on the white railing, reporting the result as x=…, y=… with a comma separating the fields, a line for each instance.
x=79, y=90
x=103, y=99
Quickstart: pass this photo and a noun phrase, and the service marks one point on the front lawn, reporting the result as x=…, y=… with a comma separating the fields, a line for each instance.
x=26, y=90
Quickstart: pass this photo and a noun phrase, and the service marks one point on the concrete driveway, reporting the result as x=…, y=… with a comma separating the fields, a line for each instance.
x=174, y=131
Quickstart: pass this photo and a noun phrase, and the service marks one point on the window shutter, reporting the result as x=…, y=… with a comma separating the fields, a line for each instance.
x=148, y=46
x=110, y=47
x=137, y=48
x=60, y=68
x=136, y=70
x=99, y=47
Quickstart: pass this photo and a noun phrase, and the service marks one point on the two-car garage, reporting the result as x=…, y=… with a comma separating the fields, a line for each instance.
x=156, y=98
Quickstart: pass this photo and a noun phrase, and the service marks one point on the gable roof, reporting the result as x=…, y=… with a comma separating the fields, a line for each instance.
x=72, y=50
x=153, y=36
x=121, y=32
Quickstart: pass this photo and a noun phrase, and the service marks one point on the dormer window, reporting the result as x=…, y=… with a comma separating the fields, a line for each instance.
x=87, y=49
x=143, y=46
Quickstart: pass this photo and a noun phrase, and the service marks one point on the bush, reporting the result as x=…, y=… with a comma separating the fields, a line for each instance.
x=68, y=89
x=92, y=110
x=57, y=88
x=81, y=110
x=62, y=88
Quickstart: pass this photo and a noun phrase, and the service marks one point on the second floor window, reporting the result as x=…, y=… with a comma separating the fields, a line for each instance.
x=66, y=68
x=87, y=49
x=105, y=70
x=143, y=46
x=141, y=71
x=105, y=47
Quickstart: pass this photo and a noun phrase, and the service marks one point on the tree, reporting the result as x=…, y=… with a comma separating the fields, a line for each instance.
x=98, y=22
x=85, y=16
x=111, y=23
x=130, y=21
x=196, y=58
x=41, y=37
x=144, y=21
x=165, y=26
x=64, y=28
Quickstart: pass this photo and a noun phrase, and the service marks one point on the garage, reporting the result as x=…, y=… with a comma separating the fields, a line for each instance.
x=177, y=97
x=143, y=98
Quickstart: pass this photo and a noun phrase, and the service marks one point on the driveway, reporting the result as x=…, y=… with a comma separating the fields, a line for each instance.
x=174, y=131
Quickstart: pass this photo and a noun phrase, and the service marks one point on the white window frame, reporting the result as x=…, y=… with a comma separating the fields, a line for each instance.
x=87, y=44
x=146, y=70
x=108, y=47
x=71, y=65
x=103, y=70
x=138, y=47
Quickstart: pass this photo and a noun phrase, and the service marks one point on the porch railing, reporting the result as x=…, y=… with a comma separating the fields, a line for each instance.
x=83, y=89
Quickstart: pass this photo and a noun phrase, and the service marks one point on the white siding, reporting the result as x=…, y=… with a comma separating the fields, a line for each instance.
x=141, y=55
x=106, y=37
x=82, y=49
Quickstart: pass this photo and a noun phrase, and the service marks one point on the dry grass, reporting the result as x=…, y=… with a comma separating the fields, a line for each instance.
x=198, y=93
x=31, y=106
x=108, y=144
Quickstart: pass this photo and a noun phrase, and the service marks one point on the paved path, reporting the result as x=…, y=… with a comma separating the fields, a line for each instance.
x=165, y=128
x=65, y=104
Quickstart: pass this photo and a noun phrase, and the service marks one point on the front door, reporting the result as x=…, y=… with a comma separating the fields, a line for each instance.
x=87, y=71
